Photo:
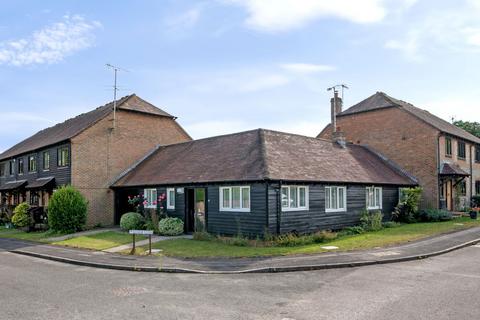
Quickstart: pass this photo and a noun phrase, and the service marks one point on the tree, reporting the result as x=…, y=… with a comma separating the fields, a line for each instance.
x=472, y=127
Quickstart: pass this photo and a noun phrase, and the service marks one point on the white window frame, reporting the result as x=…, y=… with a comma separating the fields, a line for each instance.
x=298, y=207
x=376, y=206
x=341, y=207
x=230, y=200
x=148, y=194
x=170, y=204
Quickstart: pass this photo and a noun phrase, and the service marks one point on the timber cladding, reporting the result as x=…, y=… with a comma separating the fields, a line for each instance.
x=99, y=154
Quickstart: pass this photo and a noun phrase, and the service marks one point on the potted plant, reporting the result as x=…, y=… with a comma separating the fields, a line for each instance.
x=474, y=213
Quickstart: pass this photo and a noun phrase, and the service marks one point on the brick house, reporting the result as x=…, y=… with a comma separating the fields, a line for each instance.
x=444, y=158
x=88, y=152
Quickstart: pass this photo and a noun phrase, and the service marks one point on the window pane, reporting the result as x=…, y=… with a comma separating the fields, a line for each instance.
x=226, y=198
x=171, y=198
x=377, y=197
x=302, y=197
x=245, y=198
x=327, y=198
x=235, y=198
x=334, y=198
x=293, y=197
x=284, y=197
x=341, y=204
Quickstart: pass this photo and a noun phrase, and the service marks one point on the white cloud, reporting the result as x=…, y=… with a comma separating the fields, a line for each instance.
x=283, y=15
x=184, y=20
x=306, y=68
x=456, y=29
x=50, y=44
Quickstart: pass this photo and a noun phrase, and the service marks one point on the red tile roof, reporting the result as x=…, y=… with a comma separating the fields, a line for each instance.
x=262, y=155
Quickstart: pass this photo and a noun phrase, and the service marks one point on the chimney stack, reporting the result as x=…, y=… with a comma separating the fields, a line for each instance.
x=336, y=107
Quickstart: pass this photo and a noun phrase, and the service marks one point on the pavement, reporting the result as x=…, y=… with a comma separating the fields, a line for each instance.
x=442, y=288
x=411, y=251
x=81, y=234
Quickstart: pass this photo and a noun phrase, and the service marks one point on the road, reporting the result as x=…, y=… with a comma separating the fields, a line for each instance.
x=444, y=287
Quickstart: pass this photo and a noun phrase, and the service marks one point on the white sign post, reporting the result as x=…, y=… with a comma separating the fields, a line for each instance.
x=145, y=233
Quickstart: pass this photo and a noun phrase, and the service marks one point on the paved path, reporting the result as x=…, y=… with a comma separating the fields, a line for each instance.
x=409, y=251
x=441, y=288
x=82, y=233
x=145, y=242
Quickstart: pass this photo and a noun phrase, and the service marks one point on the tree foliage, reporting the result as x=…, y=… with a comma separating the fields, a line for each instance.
x=67, y=210
x=472, y=127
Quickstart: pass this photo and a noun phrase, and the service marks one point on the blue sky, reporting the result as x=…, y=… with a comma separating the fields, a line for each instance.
x=230, y=65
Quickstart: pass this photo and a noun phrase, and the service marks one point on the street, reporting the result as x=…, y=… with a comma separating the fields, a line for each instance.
x=444, y=287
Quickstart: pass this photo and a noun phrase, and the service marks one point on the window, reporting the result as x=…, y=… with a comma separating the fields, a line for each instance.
x=46, y=160
x=170, y=198
x=235, y=199
x=477, y=188
x=2, y=169
x=477, y=153
x=11, y=167
x=335, y=199
x=294, y=198
x=32, y=164
x=448, y=146
x=150, y=198
x=374, y=198
x=63, y=157
x=461, y=150
x=20, y=166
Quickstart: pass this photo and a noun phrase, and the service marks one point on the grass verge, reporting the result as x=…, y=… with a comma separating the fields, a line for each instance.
x=386, y=237
x=100, y=241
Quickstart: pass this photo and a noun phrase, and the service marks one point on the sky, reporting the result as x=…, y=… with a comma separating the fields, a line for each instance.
x=224, y=66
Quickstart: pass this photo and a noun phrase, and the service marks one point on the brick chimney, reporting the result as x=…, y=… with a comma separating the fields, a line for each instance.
x=336, y=107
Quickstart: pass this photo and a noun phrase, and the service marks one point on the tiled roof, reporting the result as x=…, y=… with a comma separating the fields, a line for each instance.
x=260, y=155
x=381, y=100
x=72, y=127
x=451, y=169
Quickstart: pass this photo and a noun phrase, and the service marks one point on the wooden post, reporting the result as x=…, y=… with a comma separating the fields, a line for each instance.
x=133, y=247
x=150, y=244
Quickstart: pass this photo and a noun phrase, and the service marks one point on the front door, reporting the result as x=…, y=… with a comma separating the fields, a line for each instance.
x=449, y=195
x=195, y=210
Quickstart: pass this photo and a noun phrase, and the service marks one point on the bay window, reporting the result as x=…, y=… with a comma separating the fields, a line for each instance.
x=235, y=199
x=335, y=199
x=294, y=198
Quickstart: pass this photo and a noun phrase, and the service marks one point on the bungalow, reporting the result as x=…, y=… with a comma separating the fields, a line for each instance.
x=259, y=180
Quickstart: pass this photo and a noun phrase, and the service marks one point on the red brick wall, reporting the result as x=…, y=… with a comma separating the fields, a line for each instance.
x=100, y=154
x=400, y=136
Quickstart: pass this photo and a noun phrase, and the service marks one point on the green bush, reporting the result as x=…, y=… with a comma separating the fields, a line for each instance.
x=21, y=218
x=67, y=210
x=353, y=230
x=170, y=227
x=435, y=215
x=132, y=221
x=476, y=201
x=407, y=209
x=203, y=236
x=391, y=224
x=150, y=225
x=323, y=236
x=292, y=239
x=371, y=220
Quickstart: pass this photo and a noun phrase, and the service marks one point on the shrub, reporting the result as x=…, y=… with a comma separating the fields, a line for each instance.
x=476, y=201
x=132, y=221
x=170, y=227
x=289, y=240
x=150, y=225
x=353, y=230
x=203, y=236
x=391, y=224
x=407, y=208
x=21, y=218
x=67, y=210
x=323, y=236
x=371, y=220
x=292, y=239
x=435, y=215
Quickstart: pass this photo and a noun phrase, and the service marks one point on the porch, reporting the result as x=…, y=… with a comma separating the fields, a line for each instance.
x=453, y=189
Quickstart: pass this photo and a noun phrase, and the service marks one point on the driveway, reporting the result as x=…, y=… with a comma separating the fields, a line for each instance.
x=443, y=287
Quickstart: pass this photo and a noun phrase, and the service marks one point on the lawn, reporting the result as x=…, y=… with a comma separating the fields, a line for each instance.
x=21, y=235
x=100, y=241
x=385, y=237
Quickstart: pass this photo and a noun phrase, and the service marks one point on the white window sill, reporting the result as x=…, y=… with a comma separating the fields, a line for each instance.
x=335, y=210
x=374, y=208
x=234, y=210
x=294, y=209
